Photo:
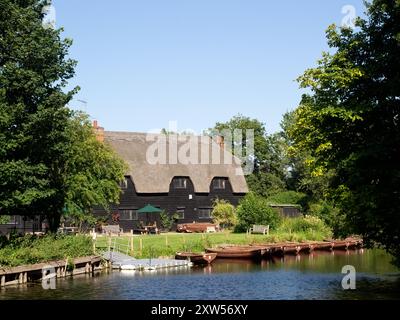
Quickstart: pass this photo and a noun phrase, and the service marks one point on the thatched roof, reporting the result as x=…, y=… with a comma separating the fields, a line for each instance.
x=152, y=171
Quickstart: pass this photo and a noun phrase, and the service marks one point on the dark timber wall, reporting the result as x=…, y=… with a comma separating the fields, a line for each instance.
x=177, y=199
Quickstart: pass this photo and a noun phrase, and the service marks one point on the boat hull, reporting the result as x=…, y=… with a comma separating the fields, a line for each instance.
x=196, y=259
x=237, y=253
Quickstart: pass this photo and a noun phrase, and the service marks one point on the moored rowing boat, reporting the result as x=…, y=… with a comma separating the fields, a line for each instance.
x=196, y=258
x=237, y=252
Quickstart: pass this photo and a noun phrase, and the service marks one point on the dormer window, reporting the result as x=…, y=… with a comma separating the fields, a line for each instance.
x=219, y=183
x=124, y=184
x=180, y=183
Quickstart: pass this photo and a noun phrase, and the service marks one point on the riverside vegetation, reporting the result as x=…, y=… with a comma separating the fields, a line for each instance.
x=336, y=157
x=30, y=249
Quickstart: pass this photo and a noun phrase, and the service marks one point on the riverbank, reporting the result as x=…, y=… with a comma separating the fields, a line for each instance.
x=59, y=269
x=166, y=245
x=28, y=250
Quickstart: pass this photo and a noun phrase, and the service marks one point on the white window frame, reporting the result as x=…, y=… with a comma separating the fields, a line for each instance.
x=179, y=211
x=124, y=184
x=180, y=187
x=217, y=182
x=132, y=213
x=201, y=217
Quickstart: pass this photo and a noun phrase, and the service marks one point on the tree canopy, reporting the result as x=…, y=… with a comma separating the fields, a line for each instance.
x=268, y=156
x=48, y=158
x=349, y=123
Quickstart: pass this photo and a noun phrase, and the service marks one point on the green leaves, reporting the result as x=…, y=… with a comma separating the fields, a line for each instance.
x=49, y=156
x=348, y=125
x=254, y=209
x=269, y=154
x=224, y=213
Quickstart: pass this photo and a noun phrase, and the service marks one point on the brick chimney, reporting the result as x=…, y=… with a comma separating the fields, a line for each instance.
x=221, y=141
x=99, y=131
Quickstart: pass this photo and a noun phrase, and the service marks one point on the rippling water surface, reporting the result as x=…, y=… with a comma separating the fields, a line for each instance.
x=316, y=276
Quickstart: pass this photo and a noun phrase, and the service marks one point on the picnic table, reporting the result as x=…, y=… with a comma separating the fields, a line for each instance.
x=147, y=230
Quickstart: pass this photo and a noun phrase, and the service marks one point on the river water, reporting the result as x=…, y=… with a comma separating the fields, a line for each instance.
x=315, y=276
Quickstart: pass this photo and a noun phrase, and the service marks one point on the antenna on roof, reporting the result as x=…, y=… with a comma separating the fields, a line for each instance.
x=85, y=103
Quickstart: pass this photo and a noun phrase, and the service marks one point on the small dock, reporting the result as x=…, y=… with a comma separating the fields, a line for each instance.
x=62, y=268
x=121, y=261
x=270, y=250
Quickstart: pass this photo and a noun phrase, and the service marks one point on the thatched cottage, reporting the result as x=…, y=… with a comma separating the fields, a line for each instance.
x=181, y=175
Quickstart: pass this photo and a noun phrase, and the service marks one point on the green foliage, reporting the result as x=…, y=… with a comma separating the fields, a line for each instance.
x=306, y=225
x=49, y=157
x=265, y=184
x=31, y=249
x=332, y=216
x=254, y=209
x=94, y=170
x=4, y=219
x=301, y=176
x=155, y=245
x=34, y=69
x=269, y=161
x=289, y=197
x=168, y=220
x=224, y=213
x=350, y=123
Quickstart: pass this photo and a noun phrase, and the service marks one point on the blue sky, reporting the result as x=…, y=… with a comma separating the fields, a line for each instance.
x=145, y=63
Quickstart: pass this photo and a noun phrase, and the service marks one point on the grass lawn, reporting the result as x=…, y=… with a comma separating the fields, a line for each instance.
x=31, y=250
x=165, y=245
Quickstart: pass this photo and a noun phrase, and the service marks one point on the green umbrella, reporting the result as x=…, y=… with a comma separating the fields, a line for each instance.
x=149, y=209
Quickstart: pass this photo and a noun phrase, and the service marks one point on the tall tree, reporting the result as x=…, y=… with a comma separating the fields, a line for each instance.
x=93, y=171
x=34, y=68
x=38, y=154
x=268, y=157
x=350, y=122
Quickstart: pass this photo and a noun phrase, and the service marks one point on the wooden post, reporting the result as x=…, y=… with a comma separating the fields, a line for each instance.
x=21, y=278
x=109, y=243
x=65, y=267
x=25, y=277
x=131, y=243
x=3, y=281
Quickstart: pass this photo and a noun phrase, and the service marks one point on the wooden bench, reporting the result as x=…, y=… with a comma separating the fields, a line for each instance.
x=259, y=229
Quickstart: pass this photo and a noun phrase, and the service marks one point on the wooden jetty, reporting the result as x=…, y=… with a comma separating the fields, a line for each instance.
x=31, y=273
x=258, y=251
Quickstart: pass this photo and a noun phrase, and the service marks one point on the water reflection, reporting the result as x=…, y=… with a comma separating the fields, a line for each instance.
x=314, y=276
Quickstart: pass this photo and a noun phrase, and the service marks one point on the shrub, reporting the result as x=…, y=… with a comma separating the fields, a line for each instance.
x=254, y=209
x=289, y=197
x=224, y=213
x=4, y=219
x=332, y=216
x=166, y=220
x=31, y=249
x=307, y=224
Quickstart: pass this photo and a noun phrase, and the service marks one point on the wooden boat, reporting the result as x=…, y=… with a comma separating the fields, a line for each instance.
x=242, y=252
x=196, y=227
x=196, y=258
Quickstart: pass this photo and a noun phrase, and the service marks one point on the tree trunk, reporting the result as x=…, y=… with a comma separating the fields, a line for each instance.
x=54, y=222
